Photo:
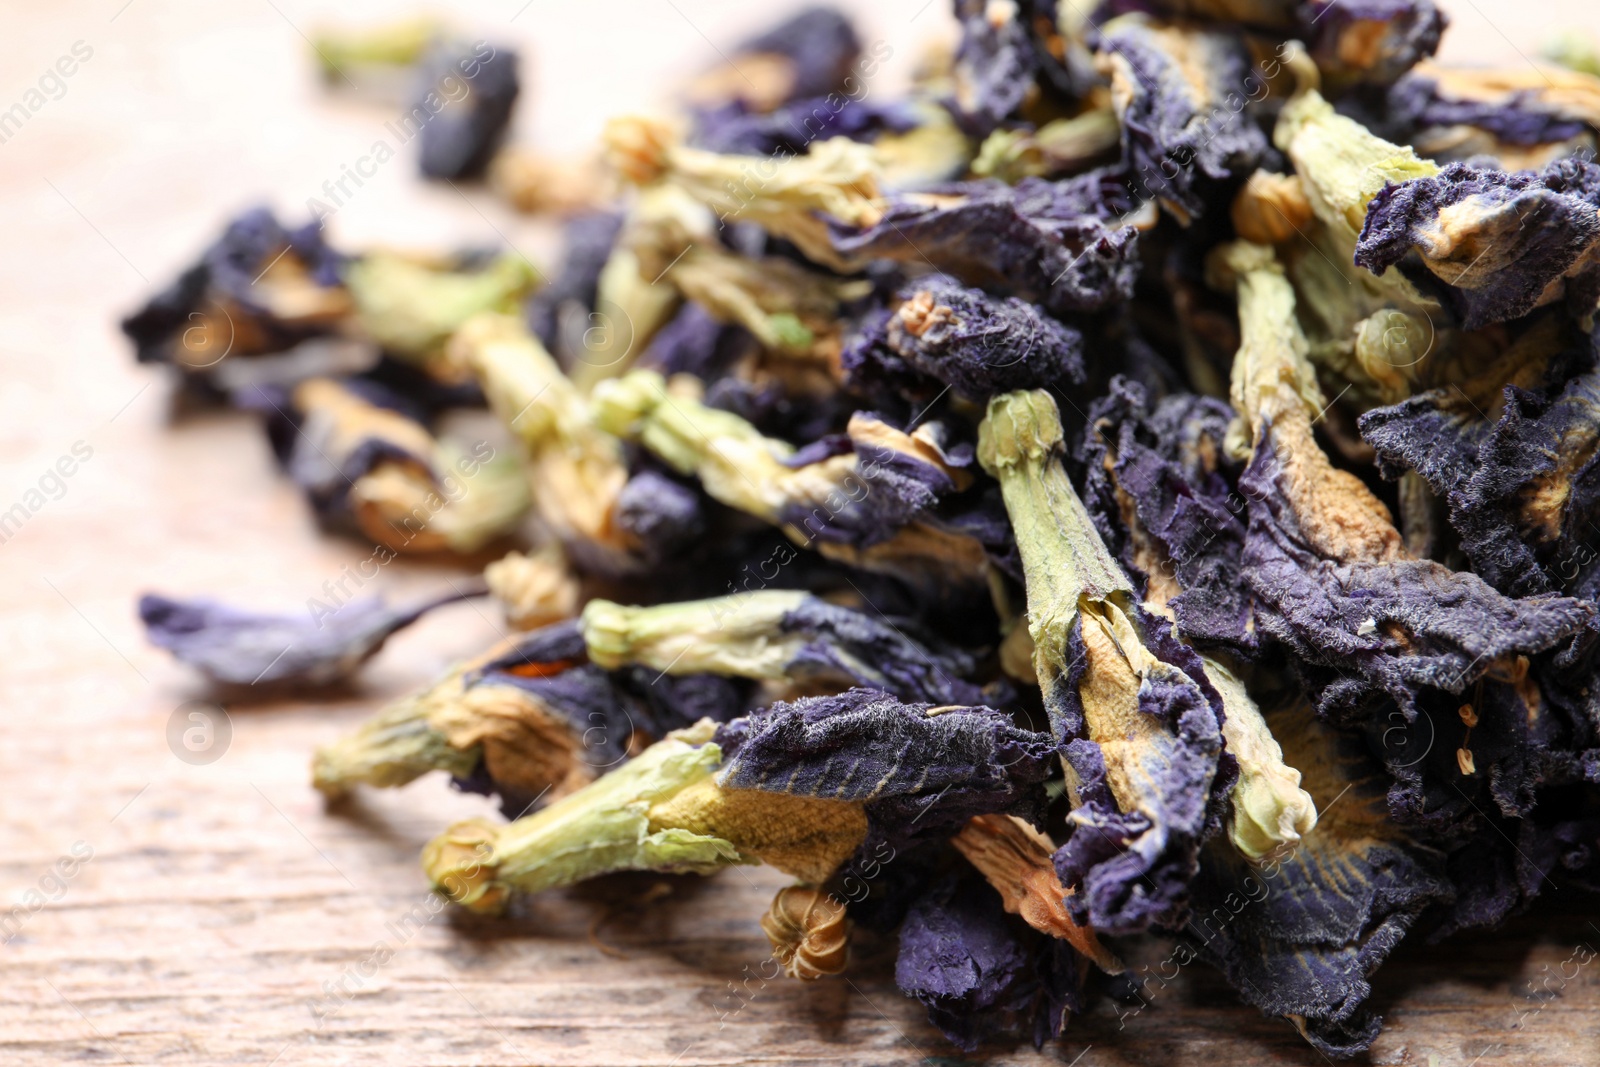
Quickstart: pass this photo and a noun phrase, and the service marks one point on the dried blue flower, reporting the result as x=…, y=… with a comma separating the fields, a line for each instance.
x=1137, y=720
x=809, y=54
x=1492, y=245
x=364, y=463
x=462, y=108
x=238, y=647
x=260, y=288
x=944, y=334
x=778, y=636
x=1518, y=476
x=974, y=966
x=1525, y=117
x=1301, y=935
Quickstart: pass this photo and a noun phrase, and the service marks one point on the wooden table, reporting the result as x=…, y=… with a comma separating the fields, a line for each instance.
x=224, y=915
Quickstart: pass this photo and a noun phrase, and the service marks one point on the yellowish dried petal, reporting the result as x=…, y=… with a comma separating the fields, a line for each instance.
x=809, y=931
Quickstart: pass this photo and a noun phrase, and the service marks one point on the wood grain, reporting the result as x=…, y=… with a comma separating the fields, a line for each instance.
x=227, y=917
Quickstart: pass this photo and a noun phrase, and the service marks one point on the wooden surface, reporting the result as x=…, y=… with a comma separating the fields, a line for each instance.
x=226, y=917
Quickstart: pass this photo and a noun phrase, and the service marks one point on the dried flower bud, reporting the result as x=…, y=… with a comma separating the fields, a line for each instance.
x=809, y=931
x=777, y=636
x=534, y=590
x=1271, y=208
x=461, y=865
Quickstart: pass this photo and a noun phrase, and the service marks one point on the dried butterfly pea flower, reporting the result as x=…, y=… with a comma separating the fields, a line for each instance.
x=1493, y=245
x=260, y=288
x=1179, y=91
x=401, y=487
x=1058, y=148
x=662, y=810
x=1300, y=935
x=1160, y=488
x=1139, y=724
x=411, y=307
x=919, y=771
x=993, y=73
x=535, y=590
x=979, y=974
x=1370, y=42
x=1015, y=859
x=463, y=100
x=1323, y=560
x=575, y=469
x=809, y=932
x=811, y=53
x=941, y=332
x=892, y=476
x=1525, y=116
x=794, y=198
x=527, y=719
x=1064, y=245
x=238, y=647
x=777, y=636
x=601, y=828
x=1164, y=477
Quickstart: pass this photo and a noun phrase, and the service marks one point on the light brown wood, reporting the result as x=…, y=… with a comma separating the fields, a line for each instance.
x=223, y=905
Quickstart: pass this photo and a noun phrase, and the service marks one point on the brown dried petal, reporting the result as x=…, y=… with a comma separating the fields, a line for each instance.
x=1015, y=859
x=809, y=931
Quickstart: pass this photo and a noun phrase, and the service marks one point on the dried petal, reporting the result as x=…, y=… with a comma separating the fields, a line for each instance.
x=809, y=931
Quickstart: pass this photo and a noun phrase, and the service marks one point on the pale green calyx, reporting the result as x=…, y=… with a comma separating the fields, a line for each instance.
x=1341, y=163
x=395, y=747
x=1063, y=558
x=735, y=463
x=1271, y=813
x=411, y=308
x=1271, y=370
x=739, y=635
x=601, y=828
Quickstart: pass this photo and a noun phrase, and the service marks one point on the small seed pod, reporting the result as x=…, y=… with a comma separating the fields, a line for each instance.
x=809, y=932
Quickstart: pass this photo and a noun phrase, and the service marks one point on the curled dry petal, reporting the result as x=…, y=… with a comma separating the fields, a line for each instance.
x=809, y=931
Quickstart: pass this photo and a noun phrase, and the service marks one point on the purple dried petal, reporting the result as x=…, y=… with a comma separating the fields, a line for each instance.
x=1058, y=244
x=946, y=334
x=248, y=648
x=1507, y=243
x=919, y=774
